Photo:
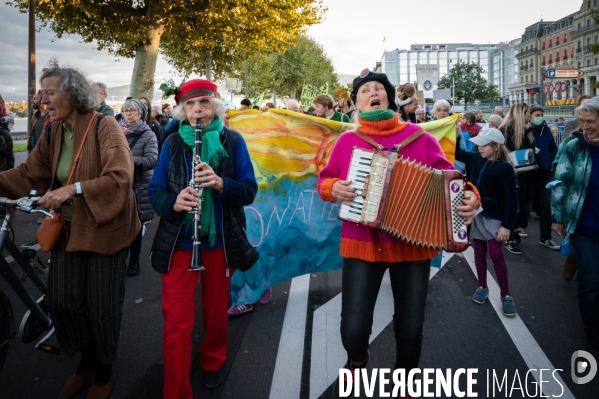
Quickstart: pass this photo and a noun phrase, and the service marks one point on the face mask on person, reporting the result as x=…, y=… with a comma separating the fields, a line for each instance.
x=538, y=121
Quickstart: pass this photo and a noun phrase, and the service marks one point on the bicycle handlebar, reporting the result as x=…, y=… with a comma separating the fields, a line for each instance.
x=29, y=204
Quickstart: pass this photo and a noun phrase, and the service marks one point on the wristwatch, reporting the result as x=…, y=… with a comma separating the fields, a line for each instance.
x=79, y=193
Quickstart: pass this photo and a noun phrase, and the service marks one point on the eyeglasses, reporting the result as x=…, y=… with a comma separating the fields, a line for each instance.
x=130, y=111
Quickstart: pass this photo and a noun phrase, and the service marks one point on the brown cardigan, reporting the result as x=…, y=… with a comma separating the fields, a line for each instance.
x=105, y=219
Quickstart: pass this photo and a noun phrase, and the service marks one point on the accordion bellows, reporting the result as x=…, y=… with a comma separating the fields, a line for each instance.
x=408, y=200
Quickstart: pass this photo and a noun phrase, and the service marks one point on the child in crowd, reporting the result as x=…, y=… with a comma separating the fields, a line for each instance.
x=495, y=179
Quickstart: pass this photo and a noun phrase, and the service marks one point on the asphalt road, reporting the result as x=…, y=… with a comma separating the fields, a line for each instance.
x=457, y=334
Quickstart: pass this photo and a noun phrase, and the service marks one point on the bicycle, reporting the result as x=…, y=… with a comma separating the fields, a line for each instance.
x=36, y=320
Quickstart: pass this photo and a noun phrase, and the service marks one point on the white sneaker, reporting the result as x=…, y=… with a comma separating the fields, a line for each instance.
x=550, y=244
x=521, y=232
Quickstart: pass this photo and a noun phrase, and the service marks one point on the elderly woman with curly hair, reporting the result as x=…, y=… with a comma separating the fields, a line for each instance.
x=86, y=283
x=228, y=183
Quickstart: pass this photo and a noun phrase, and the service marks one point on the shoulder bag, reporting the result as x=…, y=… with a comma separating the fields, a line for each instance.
x=523, y=160
x=51, y=228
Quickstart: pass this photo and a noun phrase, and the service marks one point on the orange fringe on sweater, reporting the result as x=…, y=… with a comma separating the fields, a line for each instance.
x=390, y=252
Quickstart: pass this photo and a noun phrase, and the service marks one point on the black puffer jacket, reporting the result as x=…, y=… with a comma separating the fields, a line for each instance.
x=7, y=157
x=233, y=217
x=145, y=157
x=526, y=180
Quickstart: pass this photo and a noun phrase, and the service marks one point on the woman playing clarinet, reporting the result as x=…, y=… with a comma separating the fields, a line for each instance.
x=223, y=174
x=369, y=253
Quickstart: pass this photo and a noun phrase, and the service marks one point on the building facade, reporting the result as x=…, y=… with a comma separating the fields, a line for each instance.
x=400, y=65
x=562, y=44
x=584, y=34
x=506, y=68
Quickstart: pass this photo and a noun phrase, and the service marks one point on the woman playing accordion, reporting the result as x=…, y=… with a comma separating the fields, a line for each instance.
x=369, y=253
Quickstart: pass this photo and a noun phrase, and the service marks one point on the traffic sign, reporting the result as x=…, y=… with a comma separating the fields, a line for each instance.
x=546, y=88
x=558, y=87
x=564, y=73
x=551, y=87
x=564, y=87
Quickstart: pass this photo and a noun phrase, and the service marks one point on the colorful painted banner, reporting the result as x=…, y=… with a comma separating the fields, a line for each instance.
x=309, y=93
x=294, y=230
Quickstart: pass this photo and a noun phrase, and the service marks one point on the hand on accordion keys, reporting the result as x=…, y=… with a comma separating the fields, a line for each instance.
x=343, y=192
x=471, y=204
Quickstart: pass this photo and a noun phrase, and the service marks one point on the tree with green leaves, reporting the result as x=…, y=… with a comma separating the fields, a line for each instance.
x=470, y=85
x=187, y=32
x=492, y=94
x=287, y=72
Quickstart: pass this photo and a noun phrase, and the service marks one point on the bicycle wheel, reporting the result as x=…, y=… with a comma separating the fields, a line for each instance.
x=6, y=326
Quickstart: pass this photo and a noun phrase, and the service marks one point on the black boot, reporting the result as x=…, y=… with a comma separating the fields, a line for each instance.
x=354, y=368
x=133, y=269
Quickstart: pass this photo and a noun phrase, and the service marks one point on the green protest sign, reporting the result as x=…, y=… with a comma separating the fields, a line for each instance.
x=309, y=93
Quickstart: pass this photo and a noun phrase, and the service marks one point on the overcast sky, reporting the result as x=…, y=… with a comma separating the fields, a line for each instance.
x=351, y=34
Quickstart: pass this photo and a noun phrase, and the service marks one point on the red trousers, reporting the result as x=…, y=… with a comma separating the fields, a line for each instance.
x=178, y=310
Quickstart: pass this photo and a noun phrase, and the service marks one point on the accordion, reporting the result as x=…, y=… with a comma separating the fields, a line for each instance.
x=406, y=199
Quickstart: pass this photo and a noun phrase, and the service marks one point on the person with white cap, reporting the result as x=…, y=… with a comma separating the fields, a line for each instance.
x=495, y=179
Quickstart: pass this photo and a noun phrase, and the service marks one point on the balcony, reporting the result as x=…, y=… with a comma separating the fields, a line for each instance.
x=578, y=50
x=527, y=52
x=557, y=59
x=584, y=29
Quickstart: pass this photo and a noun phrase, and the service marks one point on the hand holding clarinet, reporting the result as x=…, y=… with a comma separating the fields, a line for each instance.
x=187, y=199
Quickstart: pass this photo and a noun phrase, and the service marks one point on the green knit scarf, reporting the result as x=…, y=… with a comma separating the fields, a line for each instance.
x=212, y=153
x=377, y=115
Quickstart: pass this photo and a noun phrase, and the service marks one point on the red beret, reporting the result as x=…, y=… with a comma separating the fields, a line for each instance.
x=196, y=88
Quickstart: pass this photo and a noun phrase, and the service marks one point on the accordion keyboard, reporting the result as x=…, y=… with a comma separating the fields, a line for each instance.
x=357, y=172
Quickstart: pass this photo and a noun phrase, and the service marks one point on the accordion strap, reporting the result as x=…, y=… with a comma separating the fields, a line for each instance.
x=369, y=140
x=396, y=147
x=409, y=139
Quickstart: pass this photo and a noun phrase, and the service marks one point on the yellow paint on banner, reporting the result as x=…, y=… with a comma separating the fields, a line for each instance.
x=283, y=142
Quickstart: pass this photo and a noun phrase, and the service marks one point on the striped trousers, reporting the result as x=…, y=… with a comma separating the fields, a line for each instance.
x=86, y=291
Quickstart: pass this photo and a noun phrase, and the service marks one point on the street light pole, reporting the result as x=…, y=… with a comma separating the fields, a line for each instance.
x=542, y=87
x=453, y=89
x=31, y=62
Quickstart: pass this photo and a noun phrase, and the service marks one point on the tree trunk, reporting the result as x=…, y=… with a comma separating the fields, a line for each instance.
x=209, y=65
x=142, y=80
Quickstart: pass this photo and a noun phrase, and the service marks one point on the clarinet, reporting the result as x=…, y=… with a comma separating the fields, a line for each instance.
x=196, y=257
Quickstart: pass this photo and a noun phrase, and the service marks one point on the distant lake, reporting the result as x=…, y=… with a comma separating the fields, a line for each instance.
x=20, y=125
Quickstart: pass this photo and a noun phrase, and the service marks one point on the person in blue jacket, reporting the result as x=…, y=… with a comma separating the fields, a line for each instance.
x=228, y=184
x=495, y=179
x=546, y=150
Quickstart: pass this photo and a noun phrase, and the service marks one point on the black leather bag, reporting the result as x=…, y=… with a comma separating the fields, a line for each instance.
x=240, y=253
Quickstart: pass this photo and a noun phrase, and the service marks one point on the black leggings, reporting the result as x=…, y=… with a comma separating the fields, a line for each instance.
x=360, y=287
x=135, y=247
